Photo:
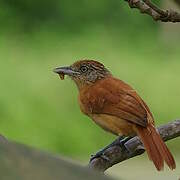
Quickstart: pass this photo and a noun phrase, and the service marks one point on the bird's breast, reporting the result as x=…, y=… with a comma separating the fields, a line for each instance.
x=83, y=106
x=109, y=123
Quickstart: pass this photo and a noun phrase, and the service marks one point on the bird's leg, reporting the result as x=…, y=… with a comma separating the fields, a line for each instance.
x=120, y=141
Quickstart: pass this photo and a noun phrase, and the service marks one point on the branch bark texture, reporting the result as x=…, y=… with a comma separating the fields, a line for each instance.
x=134, y=147
x=158, y=14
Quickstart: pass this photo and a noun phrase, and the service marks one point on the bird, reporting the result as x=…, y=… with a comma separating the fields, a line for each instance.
x=116, y=107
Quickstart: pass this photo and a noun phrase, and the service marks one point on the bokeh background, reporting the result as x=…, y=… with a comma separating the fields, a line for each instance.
x=39, y=110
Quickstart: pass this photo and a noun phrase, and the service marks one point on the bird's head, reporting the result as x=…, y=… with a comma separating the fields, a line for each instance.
x=84, y=72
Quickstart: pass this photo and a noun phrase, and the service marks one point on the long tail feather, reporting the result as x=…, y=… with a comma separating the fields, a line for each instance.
x=155, y=147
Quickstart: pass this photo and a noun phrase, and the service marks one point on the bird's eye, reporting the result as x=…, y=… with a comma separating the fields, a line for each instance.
x=83, y=69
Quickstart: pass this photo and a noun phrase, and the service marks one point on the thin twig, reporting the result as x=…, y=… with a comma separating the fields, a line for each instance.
x=155, y=8
x=149, y=8
x=134, y=147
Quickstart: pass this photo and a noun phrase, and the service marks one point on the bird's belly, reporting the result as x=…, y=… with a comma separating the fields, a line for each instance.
x=114, y=124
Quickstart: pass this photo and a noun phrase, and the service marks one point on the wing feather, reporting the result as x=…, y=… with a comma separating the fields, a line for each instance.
x=118, y=99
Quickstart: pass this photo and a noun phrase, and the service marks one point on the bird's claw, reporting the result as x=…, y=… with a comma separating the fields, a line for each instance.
x=119, y=142
x=99, y=155
x=124, y=140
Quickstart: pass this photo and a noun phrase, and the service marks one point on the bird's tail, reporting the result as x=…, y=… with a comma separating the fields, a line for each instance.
x=155, y=147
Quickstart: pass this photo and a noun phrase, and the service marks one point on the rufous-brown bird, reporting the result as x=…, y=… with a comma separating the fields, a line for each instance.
x=116, y=107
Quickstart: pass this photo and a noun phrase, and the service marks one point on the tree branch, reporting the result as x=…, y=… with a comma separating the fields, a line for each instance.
x=116, y=154
x=149, y=8
x=21, y=162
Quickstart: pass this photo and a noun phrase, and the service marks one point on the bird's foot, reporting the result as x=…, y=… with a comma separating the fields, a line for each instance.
x=99, y=154
x=124, y=140
x=118, y=142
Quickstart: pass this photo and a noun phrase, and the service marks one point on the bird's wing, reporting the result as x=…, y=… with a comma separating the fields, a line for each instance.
x=118, y=99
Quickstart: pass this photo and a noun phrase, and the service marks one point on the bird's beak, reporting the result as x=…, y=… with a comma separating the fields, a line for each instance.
x=65, y=70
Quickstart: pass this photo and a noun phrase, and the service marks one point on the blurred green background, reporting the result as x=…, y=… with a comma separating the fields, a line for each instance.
x=38, y=109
